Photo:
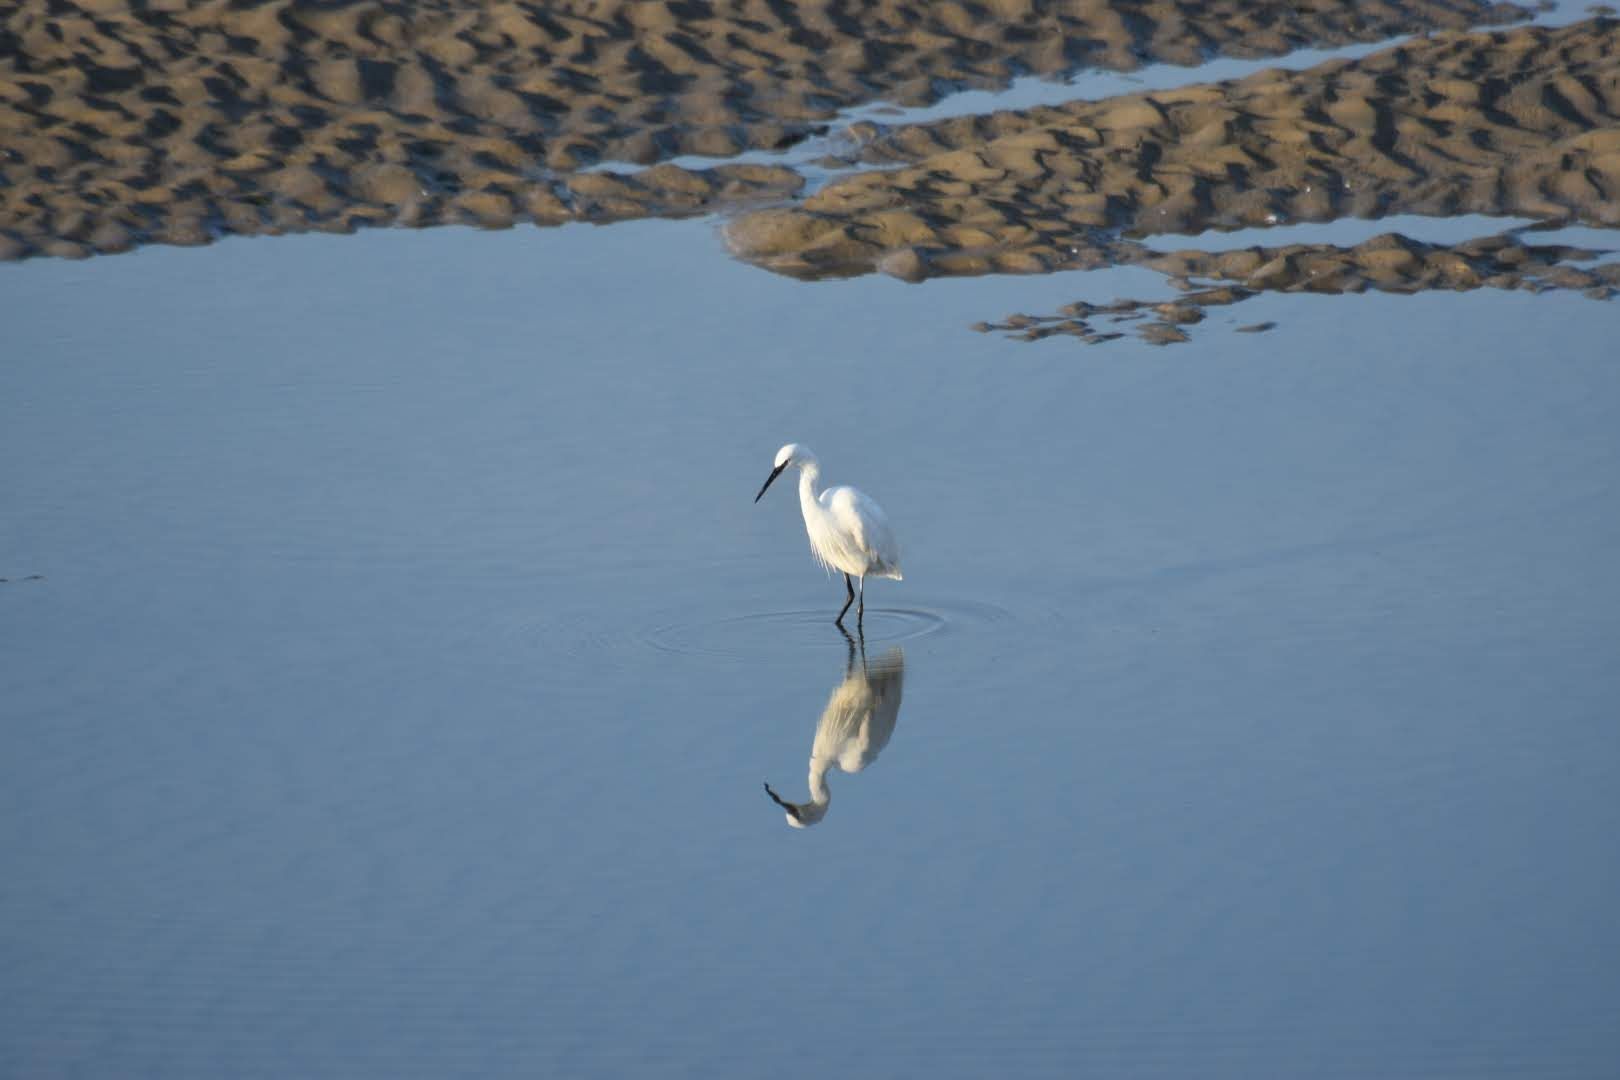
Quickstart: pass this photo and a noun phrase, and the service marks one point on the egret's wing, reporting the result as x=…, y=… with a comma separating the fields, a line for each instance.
x=862, y=523
x=849, y=517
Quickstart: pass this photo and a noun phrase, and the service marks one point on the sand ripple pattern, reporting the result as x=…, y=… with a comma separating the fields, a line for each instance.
x=123, y=124
x=1523, y=122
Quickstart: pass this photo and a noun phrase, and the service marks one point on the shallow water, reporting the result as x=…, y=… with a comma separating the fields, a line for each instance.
x=1348, y=231
x=408, y=656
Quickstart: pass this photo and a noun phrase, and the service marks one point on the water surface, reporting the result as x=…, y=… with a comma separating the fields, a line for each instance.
x=409, y=654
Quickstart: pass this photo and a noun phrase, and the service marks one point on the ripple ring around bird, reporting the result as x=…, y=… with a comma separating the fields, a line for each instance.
x=771, y=631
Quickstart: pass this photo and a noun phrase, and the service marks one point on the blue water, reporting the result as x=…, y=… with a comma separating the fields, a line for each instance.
x=408, y=655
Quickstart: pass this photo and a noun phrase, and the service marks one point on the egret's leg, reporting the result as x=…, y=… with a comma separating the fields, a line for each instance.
x=860, y=612
x=848, y=585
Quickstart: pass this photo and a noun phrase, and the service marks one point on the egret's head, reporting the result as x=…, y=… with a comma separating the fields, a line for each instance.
x=791, y=454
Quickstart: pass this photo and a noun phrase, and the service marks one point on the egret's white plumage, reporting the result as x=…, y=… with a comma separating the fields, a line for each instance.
x=848, y=532
x=855, y=726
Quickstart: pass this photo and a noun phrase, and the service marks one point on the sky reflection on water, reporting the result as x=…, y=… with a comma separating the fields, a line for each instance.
x=409, y=655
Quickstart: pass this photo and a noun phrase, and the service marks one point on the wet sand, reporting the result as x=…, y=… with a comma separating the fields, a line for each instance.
x=1524, y=122
x=1390, y=263
x=179, y=123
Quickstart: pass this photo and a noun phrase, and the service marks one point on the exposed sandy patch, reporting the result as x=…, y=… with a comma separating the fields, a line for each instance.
x=1388, y=263
x=1523, y=122
x=176, y=122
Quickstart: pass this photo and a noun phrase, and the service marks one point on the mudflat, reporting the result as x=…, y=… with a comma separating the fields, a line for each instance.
x=176, y=122
x=1522, y=122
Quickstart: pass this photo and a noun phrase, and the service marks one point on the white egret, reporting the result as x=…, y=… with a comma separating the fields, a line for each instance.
x=848, y=531
x=856, y=725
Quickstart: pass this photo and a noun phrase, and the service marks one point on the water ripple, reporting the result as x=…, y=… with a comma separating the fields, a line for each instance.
x=758, y=633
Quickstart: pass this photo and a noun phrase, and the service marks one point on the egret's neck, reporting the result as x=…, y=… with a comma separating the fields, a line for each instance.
x=809, y=482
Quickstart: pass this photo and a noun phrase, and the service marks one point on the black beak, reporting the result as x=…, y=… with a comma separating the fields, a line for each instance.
x=771, y=478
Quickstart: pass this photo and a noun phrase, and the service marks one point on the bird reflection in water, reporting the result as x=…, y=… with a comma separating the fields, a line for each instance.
x=854, y=728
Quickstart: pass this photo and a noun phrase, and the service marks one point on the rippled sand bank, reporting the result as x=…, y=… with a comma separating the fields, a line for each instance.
x=1523, y=122
x=178, y=122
